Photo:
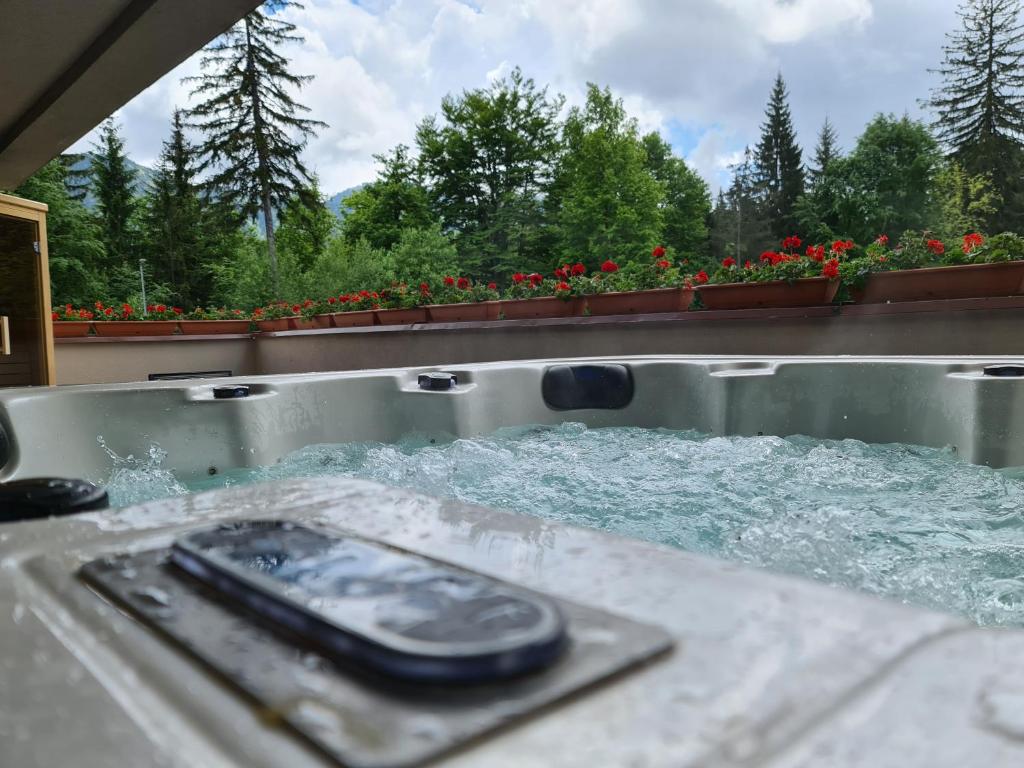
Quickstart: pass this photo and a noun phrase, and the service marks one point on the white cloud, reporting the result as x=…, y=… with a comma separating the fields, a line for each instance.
x=382, y=65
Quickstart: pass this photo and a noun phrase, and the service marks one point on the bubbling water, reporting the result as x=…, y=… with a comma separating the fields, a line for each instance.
x=902, y=521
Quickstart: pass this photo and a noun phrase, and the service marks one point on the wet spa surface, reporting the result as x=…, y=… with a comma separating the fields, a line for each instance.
x=907, y=522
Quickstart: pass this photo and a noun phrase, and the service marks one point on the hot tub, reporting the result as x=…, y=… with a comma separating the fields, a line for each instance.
x=764, y=669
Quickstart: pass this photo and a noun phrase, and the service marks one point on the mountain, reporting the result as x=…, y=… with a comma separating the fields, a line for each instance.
x=143, y=177
x=336, y=202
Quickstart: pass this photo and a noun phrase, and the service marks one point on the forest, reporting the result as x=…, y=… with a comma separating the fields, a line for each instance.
x=507, y=178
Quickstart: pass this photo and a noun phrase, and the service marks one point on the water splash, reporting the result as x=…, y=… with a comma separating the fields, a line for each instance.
x=906, y=522
x=133, y=480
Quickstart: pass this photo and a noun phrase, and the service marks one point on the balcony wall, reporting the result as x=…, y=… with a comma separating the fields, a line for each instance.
x=986, y=327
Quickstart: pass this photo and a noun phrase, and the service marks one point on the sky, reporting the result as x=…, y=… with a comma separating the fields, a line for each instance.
x=697, y=71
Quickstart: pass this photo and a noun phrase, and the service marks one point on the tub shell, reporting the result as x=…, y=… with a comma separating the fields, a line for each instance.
x=768, y=670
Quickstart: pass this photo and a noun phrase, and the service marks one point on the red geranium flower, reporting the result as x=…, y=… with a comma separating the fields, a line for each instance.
x=767, y=255
x=296, y=308
x=54, y=316
x=663, y=264
x=579, y=269
x=331, y=300
x=518, y=277
x=609, y=266
x=563, y=286
x=831, y=269
x=882, y=239
x=728, y=261
x=108, y=311
x=791, y=243
x=747, y=264
x=424, y=289
x=658, y=252
x=816, y=252
x=463, y=283
x=972, y=241
x=560, y=272
x=449, y=280
x=535, y=279
x=701, y=277
x=936, y=246
x=257, y=312
x=492, y=286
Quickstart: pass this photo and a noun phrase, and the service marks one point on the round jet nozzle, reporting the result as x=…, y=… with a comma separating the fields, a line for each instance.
x=231, y=392
x=438, y=380
x=48, y=497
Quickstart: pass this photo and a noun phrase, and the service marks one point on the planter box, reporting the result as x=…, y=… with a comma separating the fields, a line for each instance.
x=963, y=281
x=808, y=292
x=69, y=329
x=301, y=323
x=548, y=306
x=640, y=302
x=401, y=316
x=135, y=327
x=211, y=327
x=463, y=313
x=277, y=324
x=359, y=318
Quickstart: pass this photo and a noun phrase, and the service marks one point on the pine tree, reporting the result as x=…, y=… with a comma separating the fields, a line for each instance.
x=980, y=105
x=778, y=162
x=253, y=130
x=113, y=181
x=77, y=274
x=738, y=225
x=171, y=217
x=825, y=152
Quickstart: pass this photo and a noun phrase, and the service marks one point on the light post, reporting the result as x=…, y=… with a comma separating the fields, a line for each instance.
x=142, y=280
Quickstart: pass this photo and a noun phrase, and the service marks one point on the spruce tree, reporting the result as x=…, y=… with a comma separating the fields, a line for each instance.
x=980, y=105
x=171, y=217
x=825, y=152
x=113, y=181
x=738, y=225
x=253, y=129
x=778, y=162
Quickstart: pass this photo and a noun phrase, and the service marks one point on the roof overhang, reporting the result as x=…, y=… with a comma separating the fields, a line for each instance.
x=65, y=65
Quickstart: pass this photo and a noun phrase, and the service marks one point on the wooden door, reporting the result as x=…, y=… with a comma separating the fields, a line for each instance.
x=25, y=295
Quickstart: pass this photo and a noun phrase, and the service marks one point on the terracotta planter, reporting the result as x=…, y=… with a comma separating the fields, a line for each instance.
x=136, y=328
x=963, y=281
x=69, y=329
x=640, y=302
x=301, y=323
x=359, y=318
x=323, y=321
x=401, y=316
x=464, y=313
x=212, y=327
x=277, y=324
x=808, y=292
x=548, y=306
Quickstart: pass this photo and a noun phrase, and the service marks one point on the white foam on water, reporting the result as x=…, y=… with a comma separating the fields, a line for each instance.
x=906, y=522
